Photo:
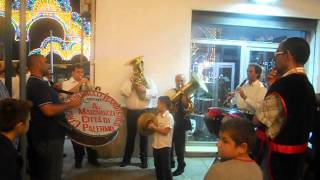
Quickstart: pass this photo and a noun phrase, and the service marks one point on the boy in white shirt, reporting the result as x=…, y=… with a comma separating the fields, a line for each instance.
x=162, y=139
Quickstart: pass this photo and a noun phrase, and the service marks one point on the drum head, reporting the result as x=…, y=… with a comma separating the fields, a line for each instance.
x=96, y=122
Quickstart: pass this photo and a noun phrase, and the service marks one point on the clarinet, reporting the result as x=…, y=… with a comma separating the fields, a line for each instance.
x=229, y=98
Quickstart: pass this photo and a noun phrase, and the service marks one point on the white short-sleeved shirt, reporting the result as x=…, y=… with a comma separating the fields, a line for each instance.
x=164, y=120
x=69, y=84
x=132, y=100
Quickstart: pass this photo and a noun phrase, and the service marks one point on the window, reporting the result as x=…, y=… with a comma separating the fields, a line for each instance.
x=223, y=45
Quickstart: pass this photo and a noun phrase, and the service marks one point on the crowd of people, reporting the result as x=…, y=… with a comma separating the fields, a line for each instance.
x=269, y=142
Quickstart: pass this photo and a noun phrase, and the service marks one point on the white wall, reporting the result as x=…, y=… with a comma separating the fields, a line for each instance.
x=158, y=29
x=161, y=30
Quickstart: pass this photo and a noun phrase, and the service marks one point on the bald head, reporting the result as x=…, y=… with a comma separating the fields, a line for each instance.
x=37, y=64
x=180, y=80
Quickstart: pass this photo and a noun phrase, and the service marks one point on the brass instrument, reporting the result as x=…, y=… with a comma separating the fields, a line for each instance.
x=137, y=65
x=187, y=90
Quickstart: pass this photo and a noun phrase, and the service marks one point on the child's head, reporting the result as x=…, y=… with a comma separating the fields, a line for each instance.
x=14, y=116
x=164, y=103
x=236, y=138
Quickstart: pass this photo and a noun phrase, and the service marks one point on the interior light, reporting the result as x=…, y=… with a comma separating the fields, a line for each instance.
x=263, y=1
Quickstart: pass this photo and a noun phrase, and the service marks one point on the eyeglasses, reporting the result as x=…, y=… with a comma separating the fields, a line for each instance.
x=279, y=53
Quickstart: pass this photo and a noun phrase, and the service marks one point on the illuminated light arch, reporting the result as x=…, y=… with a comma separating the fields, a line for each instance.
x=54, y=39
x=36, y=51
x=39, y=17
x=60, y=11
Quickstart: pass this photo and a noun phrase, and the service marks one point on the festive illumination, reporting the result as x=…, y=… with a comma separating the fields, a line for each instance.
x=60, y=11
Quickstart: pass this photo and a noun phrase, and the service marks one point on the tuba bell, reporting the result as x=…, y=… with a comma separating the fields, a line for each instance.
x=137, y=65
x=187, y=90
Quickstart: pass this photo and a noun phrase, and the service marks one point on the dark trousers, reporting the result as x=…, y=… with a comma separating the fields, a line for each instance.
x=179, y=145
x=162, y=163
x=287, y=167
x=132, y=119
x=79, y=152
x=45, y=159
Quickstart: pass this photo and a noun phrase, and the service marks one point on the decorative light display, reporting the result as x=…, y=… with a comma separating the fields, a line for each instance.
x=60, y=11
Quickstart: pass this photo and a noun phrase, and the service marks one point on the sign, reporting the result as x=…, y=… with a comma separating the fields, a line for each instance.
x=98, y=116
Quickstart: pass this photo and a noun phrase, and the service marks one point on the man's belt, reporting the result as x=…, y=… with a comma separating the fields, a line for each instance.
x=279, y=148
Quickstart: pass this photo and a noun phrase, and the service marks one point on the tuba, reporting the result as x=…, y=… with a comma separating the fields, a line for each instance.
x=139, y=79
x=137, y=65
x=188, y=90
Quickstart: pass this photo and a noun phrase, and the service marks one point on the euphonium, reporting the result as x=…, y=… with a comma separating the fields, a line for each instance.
x=187, y=90
x=137, y=65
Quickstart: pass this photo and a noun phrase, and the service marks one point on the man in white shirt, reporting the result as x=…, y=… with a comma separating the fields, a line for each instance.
x=250, y=94
x=139, y=99
x=73, y=85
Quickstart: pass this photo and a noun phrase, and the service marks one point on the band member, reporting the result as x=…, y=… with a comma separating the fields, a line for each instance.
x=250, y=93
x=288, y=112
x=181, y=125
x=47, y=124
x=138, y=99
x=74, y=85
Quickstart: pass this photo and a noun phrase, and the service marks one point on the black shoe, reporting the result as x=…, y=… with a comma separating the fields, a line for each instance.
x=95, y=163
x=173, y=164
x=124, y=163
x=144, y=164
x=179, y=170
x=78, y=165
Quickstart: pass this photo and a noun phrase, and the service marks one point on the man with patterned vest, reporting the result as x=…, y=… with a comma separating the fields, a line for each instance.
x=288, y=112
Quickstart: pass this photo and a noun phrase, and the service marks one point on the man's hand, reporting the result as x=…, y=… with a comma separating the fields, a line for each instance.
x=58, y=85
x=84, y=81
x=74, y=102
x=272, y=76
x=230, y=95
x=185, y=101
x=242, y=94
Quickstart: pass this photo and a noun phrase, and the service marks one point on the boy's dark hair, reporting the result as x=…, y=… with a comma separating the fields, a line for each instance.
x=257, y=68
x=76, y=66
x=12, y=112
x=298, y=48
x=240, y=130
x=166, y=100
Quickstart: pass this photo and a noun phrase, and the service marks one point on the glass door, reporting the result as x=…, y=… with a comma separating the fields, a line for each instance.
x=218, y=66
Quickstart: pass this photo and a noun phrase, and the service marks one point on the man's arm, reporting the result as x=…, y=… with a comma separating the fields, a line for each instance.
x=151, y=92
x=272, y=114
x=55, y=109
x=126, y=88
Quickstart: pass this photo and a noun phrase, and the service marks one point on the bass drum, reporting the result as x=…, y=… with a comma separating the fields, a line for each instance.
x=97, y=121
